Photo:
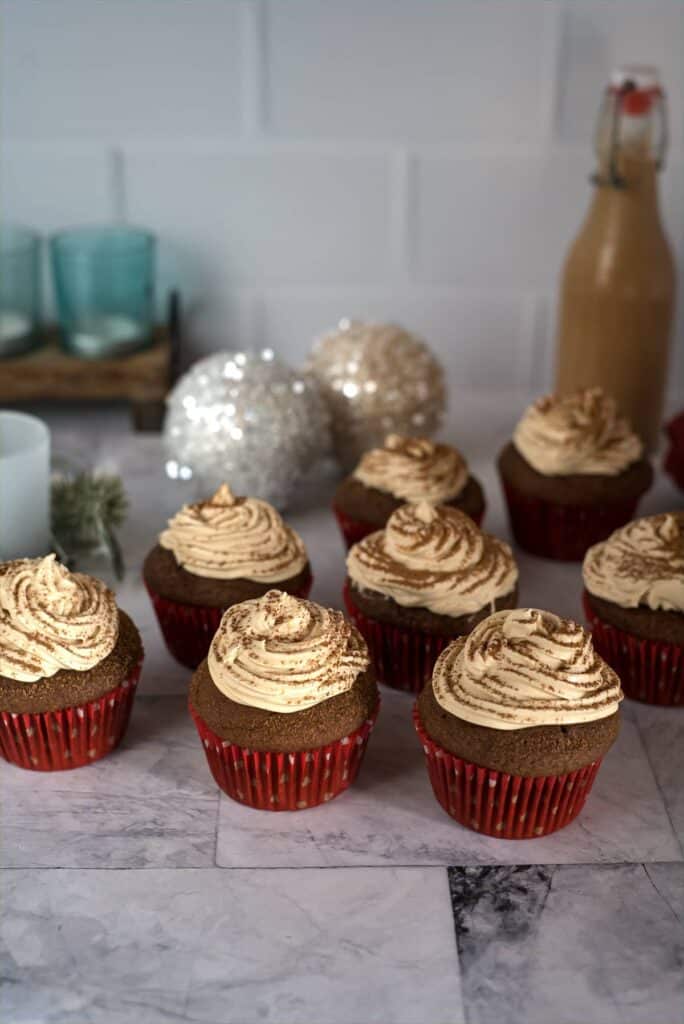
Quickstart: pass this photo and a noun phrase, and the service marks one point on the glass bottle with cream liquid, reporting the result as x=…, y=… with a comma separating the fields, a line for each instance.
x=618, y=283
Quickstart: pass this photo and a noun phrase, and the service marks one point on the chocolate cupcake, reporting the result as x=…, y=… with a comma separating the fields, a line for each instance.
x=284, y=703
x=69, y=665
x=213, y=555
x=405, y=469
x=515, y=722
x=634, y=601
x=572, y=474
x=429, y=576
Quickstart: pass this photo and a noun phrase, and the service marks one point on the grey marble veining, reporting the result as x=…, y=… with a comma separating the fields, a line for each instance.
x=151, y=803
x=210, y=946
x=390, y=815
x=662, y=732
x=278, y=940
x=571, y=944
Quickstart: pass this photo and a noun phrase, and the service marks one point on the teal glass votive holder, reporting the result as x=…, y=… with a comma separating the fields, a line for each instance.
x=104, y=286
x=19, y=290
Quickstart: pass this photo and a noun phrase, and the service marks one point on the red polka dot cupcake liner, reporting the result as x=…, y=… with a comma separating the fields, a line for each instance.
x=50, y=741
x=500, y=804
x=402, y=658
x=563, y=532
x=189, y=629
x=649, y=670
x=282, y=781
x=354, y=530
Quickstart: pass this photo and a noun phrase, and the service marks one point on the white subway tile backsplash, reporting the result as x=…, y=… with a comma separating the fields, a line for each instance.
x=78, y=69
x=476, y=336
x=497, y=221
x=597, y=36
x=49, y=187
x=423, y=161
x=402, y=69
x=265, y=215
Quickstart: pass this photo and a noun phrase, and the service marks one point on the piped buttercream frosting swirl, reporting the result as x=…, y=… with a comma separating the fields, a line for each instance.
x=525, y=668
x=642, y=563
x=52, y=619
x=229, y=538
x=580, y=433
x=434, y=557
x=282, y=653
x=414, y=469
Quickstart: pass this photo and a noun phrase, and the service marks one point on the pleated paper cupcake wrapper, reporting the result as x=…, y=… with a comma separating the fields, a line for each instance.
x=50, y=741
x=563, y=532
x=402, y=658
x=649, y=671
x=189, y=629
x=499, y=804
x=282, y=781
x=354, y=530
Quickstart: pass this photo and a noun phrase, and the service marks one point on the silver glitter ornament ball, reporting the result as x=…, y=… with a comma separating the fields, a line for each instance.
x=377, y=379
x=246, y=419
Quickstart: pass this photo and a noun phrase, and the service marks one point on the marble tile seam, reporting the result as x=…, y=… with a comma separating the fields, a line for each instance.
x=661, y=794
x=349, y=867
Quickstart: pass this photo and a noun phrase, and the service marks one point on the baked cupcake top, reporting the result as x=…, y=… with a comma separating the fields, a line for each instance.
x=228, y=538
x=524, y=668
x=414, y=469
x=642, y=563
x=434, y=557
x=52, y=619
x=281, y=653
x=576, y=434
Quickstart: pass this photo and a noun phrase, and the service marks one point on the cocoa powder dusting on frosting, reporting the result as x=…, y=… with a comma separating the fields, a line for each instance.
x=229, y=537
x=580, y=433
x=642, y=563
x=434, y=557
x=414, y=469
x=52, y=619
x=282, y=653
x=525, y=668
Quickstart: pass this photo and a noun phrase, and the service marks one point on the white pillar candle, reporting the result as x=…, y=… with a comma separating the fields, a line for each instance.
x=15, y=331
x=24, y=486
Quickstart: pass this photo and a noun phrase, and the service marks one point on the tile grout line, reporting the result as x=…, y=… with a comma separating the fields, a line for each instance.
x=345, y=867
x=647, y=755
x=459, y=971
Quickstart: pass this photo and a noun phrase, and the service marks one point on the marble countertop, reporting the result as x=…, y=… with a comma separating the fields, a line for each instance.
x=132, y=891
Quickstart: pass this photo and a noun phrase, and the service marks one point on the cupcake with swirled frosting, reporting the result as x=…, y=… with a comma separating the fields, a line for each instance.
x=515, y=722
x=573, y=472
x=214, y=554
x=429, y=576
x=69, y=665
x=405, y=469
x=634, y=601
x=284, y=702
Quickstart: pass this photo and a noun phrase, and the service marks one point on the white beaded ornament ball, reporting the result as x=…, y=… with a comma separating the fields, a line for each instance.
x=377, y=379
x=248, y=420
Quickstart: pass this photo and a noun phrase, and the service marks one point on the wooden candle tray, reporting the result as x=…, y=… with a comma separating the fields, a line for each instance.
x=143, y=379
